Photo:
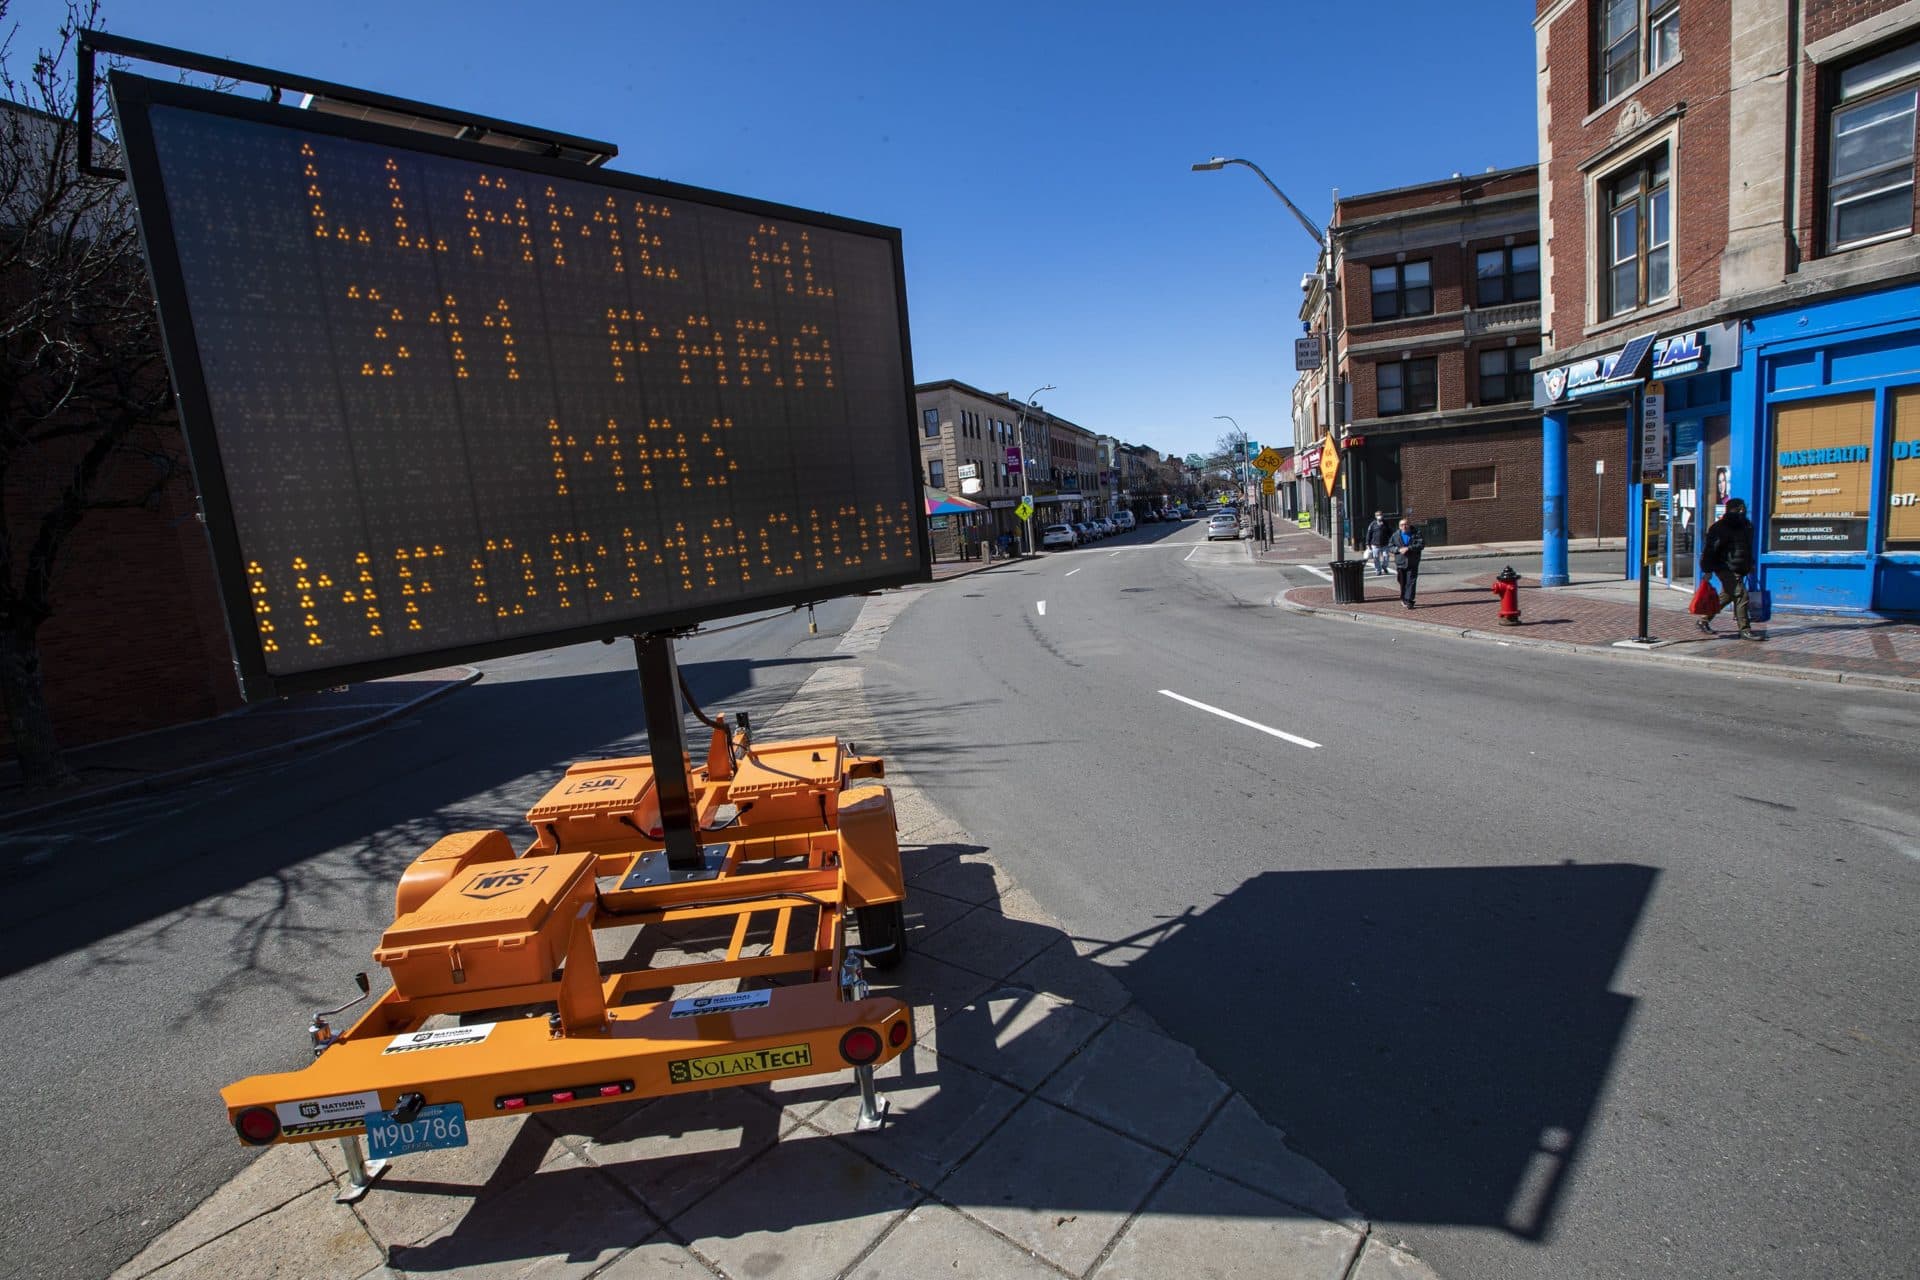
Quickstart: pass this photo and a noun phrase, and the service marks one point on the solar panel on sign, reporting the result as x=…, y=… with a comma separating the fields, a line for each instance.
x=1632, y=356
x=444, y=402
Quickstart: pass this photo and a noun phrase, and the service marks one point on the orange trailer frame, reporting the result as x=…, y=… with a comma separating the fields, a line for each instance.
x=502, y=1003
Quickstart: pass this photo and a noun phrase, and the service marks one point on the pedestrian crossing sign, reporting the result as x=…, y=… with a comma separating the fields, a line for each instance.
x=1025, y=510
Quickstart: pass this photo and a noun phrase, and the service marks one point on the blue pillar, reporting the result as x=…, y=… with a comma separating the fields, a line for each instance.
x=1553, y=500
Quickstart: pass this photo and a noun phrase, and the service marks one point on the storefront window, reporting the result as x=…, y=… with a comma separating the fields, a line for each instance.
x=1903, y=475
x=1822, y=475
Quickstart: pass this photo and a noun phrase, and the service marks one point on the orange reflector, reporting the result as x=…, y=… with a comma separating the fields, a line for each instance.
x=512, y=1104
x=860, y=1046
x=563, y=1095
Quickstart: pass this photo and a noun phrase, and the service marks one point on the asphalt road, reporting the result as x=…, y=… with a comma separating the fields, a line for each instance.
x=1562, y=965
x=179, y=942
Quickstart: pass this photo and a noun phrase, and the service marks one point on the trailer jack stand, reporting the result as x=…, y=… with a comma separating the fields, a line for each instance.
x=361, y=1173
x=873, y=1107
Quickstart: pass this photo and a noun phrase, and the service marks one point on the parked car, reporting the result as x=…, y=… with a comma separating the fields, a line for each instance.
x=1107, y=526
x=1123, y=519
x=1059, y=537
x=1223, y=524
x=1086, y=531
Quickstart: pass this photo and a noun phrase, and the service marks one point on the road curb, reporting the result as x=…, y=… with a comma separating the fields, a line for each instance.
x=209, y=768
x=1865, y=680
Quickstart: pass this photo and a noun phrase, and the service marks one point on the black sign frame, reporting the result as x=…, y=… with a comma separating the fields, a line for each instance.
x=134, y=97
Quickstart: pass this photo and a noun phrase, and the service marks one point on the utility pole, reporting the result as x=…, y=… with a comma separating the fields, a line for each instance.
x=1026, y=465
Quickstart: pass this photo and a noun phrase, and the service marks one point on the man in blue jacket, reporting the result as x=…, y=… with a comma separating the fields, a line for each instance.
x=1727, y=553
x=1407, y=544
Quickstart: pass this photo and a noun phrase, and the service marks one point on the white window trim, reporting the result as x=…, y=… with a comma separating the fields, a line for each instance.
x=1835, y=247
x=1596, y=181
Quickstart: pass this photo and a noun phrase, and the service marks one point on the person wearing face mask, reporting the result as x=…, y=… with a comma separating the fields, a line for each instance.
x=1727, y=554
x=1406, y=544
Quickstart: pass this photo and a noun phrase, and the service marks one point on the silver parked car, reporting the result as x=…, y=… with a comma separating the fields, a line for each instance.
x=1223, y=524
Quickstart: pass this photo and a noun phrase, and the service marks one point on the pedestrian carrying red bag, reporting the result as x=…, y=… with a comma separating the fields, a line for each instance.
x=1706, y=599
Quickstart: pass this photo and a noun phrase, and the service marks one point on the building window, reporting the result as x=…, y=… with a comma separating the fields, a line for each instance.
x=1504, y=375
x=1632, y=38
x=1870, y=149
x=1638, y=235
x=937, y=473
x=1406, y=387
x=932, y=418
x=1474, y=484
x=1404, y=289
x=1507, y=275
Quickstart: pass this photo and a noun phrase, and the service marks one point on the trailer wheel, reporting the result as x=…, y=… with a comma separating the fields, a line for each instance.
x=884, y=925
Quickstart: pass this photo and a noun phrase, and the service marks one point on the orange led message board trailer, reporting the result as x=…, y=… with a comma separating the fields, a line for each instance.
x=446, y=401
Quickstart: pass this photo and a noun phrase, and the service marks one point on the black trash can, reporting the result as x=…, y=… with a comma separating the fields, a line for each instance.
x=1349, y=581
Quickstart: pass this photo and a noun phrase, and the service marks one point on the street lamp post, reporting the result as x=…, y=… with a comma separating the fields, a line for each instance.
x=1026, y=466
x=1325, y=240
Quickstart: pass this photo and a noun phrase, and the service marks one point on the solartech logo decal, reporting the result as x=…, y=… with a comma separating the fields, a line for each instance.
x=720, y=1066
x=500, y=881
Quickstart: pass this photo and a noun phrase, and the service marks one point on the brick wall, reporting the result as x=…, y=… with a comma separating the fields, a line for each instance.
x=1513, y=514
x=1700, y=79
x=136, y=640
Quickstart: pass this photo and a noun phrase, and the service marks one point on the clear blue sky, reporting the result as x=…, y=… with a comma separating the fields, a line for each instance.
x=1036, y=154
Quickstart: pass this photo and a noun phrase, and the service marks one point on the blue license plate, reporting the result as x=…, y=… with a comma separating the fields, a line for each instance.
x=441, y=1125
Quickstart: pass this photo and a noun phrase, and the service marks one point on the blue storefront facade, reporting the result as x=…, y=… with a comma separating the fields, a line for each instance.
x=1826, y=451
x=1673, y=392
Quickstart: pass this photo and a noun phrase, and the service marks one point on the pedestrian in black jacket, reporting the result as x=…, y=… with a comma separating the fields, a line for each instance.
x=1407, y=544
x=1727, y=554
x=1378, y=534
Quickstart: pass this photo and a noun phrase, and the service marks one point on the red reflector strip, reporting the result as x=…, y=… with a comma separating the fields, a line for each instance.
x=567, y=1093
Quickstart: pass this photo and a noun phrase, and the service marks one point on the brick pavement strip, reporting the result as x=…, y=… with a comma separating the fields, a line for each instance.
x=1860, y=650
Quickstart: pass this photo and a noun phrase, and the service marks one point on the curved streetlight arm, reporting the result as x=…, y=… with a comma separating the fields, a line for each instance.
x=1219, y=162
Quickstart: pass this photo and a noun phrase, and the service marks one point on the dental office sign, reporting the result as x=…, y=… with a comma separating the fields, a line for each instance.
x=1645, y=358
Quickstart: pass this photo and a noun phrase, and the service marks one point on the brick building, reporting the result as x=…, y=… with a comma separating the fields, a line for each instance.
x=1437, y=322
x=965, y=434
x=1730, y=275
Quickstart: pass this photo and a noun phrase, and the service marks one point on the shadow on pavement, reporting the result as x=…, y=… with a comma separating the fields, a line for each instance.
x=108, y=877
x=1437, y=1039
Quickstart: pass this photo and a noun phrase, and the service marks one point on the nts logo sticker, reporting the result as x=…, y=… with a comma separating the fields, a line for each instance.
x=494, y=884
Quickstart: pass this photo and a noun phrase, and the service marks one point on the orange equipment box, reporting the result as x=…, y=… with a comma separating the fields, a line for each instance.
x=600, y=801
x=789, y=781
x=494, y=924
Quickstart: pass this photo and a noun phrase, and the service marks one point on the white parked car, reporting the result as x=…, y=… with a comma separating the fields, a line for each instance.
x=1123, y=519
x=1059, y=536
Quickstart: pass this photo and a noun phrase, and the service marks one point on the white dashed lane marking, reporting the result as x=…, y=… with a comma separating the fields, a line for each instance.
x=1251, y=724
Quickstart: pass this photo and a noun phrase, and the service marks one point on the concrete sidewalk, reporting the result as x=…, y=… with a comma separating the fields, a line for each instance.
x=1603, y=615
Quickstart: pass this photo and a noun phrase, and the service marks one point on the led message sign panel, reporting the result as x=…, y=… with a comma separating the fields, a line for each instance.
x=444, y=402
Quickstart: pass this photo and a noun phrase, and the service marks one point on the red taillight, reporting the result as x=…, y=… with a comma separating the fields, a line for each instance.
x=897, y=1033
x=257, y=1126
x=860, y=1046
x=512, y=1104
x=563, y=1095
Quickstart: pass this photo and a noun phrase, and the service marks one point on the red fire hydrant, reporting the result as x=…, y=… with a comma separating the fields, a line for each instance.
x=1506, y=585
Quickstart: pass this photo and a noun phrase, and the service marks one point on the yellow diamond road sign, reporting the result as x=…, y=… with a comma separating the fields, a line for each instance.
x=1024, y=510
x=1269, y=460
x=1330, y=466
